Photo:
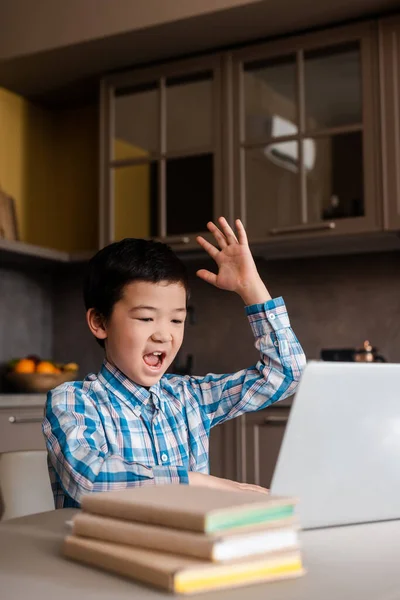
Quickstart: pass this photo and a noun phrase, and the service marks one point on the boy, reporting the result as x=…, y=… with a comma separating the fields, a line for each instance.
x=132, y=424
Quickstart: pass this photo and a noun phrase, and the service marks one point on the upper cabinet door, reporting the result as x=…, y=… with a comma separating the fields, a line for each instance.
x=161, y=154
x=305, y=142
x=389, y=46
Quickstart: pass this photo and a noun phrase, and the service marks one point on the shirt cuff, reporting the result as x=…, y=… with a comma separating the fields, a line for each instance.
x=164, y=475
x=267, y=316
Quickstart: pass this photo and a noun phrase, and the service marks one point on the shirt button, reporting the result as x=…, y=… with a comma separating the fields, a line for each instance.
x=271, y=316
x=276, y=343
x=164, y=457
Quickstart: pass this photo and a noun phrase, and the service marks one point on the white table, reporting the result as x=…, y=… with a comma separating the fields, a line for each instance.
x=344, y=563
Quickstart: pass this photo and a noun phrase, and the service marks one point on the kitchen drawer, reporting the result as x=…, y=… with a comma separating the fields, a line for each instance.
x=21, y=429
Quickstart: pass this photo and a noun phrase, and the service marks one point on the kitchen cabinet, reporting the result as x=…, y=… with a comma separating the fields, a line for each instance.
x=21, y=428
x=283, y=134
x=223, y=450
x=161, y=152
x=260, y=436
x=305, y=145
x=389, y=54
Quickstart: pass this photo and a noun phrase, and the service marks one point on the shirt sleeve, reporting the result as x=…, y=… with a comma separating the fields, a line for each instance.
x=273, y=378
x=77, y=449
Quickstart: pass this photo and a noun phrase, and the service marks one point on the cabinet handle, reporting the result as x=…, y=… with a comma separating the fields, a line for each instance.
x=275, y=420
x=302, y=228
x=174, y=240
x=15, y=420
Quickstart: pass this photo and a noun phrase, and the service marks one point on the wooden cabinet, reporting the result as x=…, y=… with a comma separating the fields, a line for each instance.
x=260, y=436
x=306, y=147
x=161, y=152
x=389, y=55
x=21, y=429
x=224, y=450
x=292, y=135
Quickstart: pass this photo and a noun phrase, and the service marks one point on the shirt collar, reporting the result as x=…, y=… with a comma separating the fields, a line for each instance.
x=126, y=389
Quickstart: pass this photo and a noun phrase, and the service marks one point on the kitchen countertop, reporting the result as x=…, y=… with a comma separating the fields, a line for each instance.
x=22, y=400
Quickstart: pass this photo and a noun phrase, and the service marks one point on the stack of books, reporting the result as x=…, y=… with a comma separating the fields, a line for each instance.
x=187, y=539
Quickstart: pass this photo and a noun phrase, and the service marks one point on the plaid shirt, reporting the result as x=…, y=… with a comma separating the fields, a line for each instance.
x=108, y=433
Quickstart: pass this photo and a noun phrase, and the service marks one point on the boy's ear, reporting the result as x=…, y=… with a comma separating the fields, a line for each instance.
x=96, y=324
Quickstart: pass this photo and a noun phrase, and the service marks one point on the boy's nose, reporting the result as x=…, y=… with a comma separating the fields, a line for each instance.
x=161, y=336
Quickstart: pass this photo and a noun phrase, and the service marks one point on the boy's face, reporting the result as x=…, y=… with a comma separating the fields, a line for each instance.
x=145, y=330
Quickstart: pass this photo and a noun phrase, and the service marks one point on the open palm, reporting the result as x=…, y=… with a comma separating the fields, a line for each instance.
x=236, y=267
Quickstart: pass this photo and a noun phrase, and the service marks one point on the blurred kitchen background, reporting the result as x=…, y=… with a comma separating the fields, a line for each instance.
x=147, y=119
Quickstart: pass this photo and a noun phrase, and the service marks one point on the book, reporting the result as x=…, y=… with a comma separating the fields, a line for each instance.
x=180, y=574
x=217, y=548
x=193, y=508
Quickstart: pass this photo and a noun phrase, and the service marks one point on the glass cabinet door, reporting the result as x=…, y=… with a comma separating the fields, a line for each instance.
x=135, y=145
x=190, y=148
x=162, y=154
x=333, y=163
x=304, y=143
x=270, y=167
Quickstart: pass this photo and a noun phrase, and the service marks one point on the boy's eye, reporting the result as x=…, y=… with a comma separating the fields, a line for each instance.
x=177, y=321
x=145, y=319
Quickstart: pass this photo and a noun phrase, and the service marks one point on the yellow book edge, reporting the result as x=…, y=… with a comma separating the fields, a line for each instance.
x=188, y=584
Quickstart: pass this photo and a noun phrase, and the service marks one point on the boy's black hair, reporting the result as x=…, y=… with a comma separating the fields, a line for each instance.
x=120, y=263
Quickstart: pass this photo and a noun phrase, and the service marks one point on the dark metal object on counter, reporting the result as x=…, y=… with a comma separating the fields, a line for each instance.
x=367, y=353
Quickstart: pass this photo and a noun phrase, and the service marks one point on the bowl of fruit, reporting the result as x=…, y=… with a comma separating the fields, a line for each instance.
x=34, y=375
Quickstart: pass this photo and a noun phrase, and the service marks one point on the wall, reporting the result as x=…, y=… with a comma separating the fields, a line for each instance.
x=25, y=153
x=26, y=310
x=49, y=163
x=332, y=301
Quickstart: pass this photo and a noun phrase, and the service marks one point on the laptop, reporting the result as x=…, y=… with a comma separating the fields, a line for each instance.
x=341, y=450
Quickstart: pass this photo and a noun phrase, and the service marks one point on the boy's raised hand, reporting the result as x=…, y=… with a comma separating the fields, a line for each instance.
x=237, y=271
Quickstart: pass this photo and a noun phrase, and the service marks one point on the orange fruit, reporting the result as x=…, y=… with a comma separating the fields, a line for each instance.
x=70, y=367
x=25, y=365
x=46, y=367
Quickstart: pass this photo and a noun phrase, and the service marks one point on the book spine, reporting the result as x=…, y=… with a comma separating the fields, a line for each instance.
x=99, y=558
x=155, y=515
x=142, y=536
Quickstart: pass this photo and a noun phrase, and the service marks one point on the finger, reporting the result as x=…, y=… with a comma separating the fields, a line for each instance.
x=254, y=488
x=219, y=237
x=242, y=235
x=227, y=231
x=207, y=276
x=212, y=250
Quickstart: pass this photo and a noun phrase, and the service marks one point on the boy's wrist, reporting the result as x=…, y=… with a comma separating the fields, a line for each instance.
x=254, y=293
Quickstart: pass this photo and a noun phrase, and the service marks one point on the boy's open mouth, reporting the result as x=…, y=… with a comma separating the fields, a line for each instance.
x=154, y=359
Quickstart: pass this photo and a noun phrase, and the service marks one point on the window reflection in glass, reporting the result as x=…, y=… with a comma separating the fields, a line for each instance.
x=286, y=154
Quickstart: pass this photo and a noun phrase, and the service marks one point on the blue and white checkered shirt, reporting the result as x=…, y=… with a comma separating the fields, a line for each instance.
x=108, y=433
